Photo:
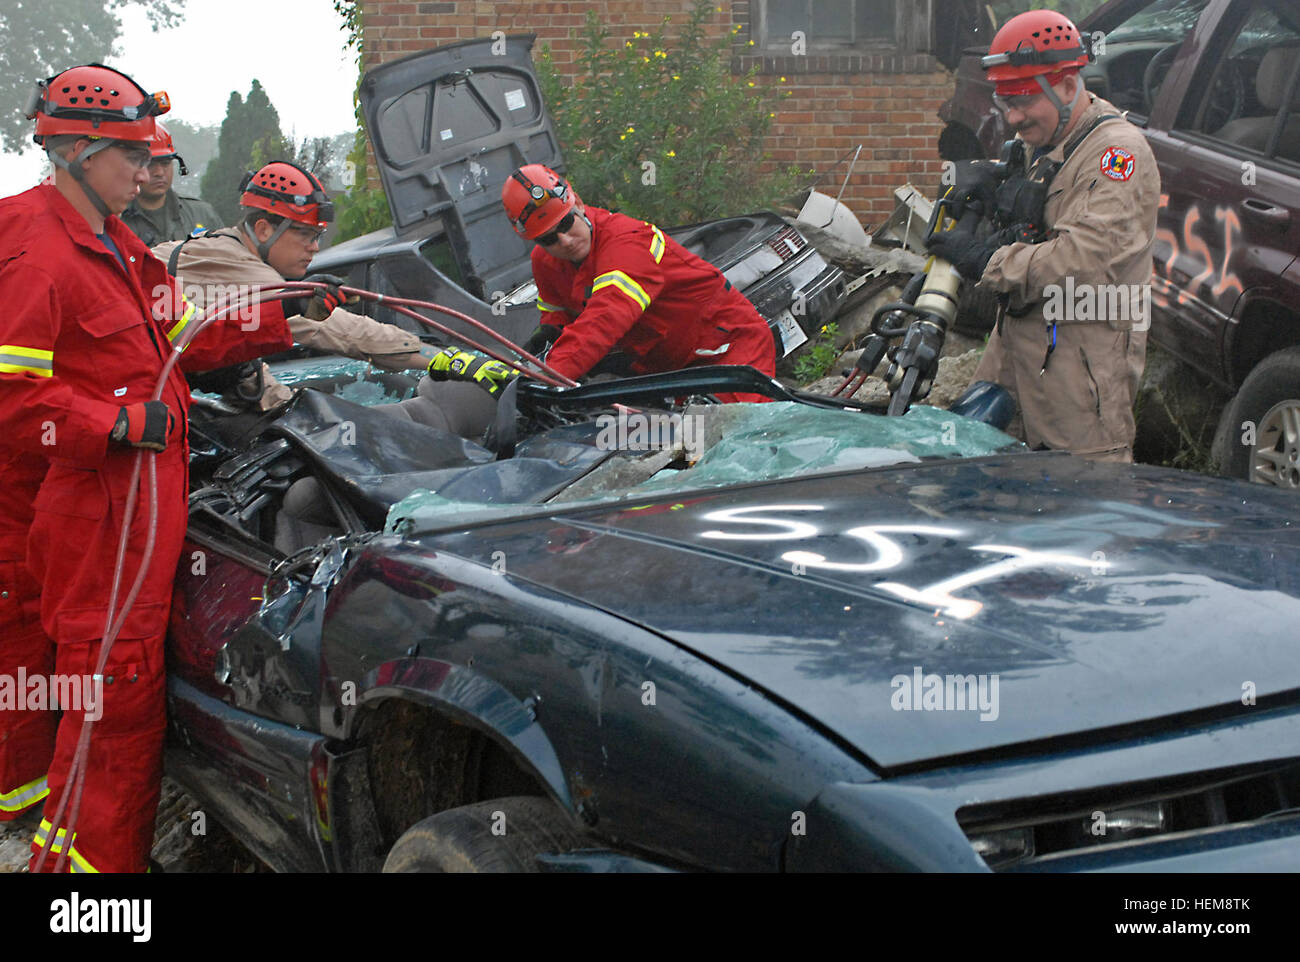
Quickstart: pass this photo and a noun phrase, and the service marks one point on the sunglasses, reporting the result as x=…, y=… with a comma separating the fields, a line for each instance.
x=563, y=227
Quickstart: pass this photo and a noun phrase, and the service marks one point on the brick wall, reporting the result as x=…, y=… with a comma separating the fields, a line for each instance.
x=885, y=102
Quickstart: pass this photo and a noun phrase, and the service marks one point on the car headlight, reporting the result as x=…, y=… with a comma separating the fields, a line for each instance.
x=998, y=848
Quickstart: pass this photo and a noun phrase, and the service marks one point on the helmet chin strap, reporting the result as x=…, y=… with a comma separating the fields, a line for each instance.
x=264, y=247
x=78, y=173
x=1064, y=111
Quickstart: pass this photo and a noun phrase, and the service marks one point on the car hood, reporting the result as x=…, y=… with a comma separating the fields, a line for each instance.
x=1080, y=596
x=448, y=126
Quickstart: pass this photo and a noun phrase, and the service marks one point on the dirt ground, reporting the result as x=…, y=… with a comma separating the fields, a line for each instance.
x=176, y=848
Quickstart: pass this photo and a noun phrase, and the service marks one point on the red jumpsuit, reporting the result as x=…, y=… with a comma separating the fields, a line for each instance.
x=79, y=338
x=26, y=737
x=642, y=292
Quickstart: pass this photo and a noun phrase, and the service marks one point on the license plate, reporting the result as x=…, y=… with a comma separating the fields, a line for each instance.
x=792, y=334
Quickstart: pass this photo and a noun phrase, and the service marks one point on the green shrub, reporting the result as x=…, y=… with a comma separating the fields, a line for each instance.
x=659, y=128
x=360, y=209
x=815, y=361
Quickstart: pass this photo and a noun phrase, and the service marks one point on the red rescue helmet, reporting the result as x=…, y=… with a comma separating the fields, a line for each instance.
x=94, y=101
x=162, y=148
x=536, y=198
x=1038, y=43
x=286, y=190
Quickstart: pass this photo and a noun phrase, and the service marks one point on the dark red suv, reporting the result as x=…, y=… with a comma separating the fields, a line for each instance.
x=1216, y=86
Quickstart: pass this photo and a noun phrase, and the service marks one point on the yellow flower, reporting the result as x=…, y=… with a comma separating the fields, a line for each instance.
x=823, y=328
x=750, y=84
x=645, y=59
x=631, y=129
x=782, y=80
x=677, y=77
x=661, y=54
x=751, y=43
x=771, y=115
x=672, y=153
x=628, y=43
x=622, y=136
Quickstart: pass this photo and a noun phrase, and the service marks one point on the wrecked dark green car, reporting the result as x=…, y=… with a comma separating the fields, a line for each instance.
x=793, y=636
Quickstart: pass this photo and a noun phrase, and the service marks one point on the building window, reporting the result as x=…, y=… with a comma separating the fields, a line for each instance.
x=841, y=26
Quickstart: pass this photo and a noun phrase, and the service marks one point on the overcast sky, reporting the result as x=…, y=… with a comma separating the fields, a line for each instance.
x=294, y=47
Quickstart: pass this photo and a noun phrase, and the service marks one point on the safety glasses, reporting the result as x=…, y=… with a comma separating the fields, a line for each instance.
x=137, y=157
x=546, y=240
x=307, y=235
x=1018, y=102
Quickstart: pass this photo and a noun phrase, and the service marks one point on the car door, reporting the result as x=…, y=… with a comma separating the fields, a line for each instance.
x=1229, y=171
x=248, y=611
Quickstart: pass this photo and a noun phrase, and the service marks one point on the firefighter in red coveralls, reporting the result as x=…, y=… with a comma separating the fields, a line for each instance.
x=609, y=281
x=89, y=319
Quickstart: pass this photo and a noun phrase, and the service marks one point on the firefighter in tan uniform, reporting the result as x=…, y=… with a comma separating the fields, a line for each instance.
x=286, y=210
x=1070, y=344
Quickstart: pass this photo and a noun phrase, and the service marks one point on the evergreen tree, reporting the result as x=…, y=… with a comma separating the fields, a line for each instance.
x=250, y=136
x=39, y=38
x=197, y=143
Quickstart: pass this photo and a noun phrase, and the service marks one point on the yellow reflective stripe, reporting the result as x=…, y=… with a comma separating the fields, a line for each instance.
x=15, y=359
x=543, y=306
x=183, y=323
x=625, y=284
x=656, y=242
x=24, y=796
x=43, y=832
x=79, y=863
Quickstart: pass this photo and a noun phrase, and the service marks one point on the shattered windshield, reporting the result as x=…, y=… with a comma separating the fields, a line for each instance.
x=732, y=444
x=1164, y=20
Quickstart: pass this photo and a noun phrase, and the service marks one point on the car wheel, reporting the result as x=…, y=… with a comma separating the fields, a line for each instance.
x=1269, y=400
x=503, y=835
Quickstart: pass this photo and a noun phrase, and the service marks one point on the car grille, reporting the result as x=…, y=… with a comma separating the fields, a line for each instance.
x=787, y=243
x=1025, y=832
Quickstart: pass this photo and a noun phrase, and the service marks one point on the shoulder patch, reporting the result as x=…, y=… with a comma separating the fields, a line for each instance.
x=1118, y=163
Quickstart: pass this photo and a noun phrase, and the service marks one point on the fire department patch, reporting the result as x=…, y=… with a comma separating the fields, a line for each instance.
x=1118, y=163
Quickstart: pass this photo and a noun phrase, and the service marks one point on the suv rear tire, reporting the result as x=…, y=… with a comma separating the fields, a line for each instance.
x=1270, y=400
x=462, y=839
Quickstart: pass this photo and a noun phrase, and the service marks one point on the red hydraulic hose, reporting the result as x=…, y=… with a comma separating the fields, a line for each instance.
x=72, y=789
x=849, y=386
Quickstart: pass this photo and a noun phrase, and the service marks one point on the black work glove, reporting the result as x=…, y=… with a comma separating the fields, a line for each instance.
x=968, y=253
x=144, y=424
x=1022, y=234
x=319, y=304
x=543, y=337
x=975, y=183
x=452, y=364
